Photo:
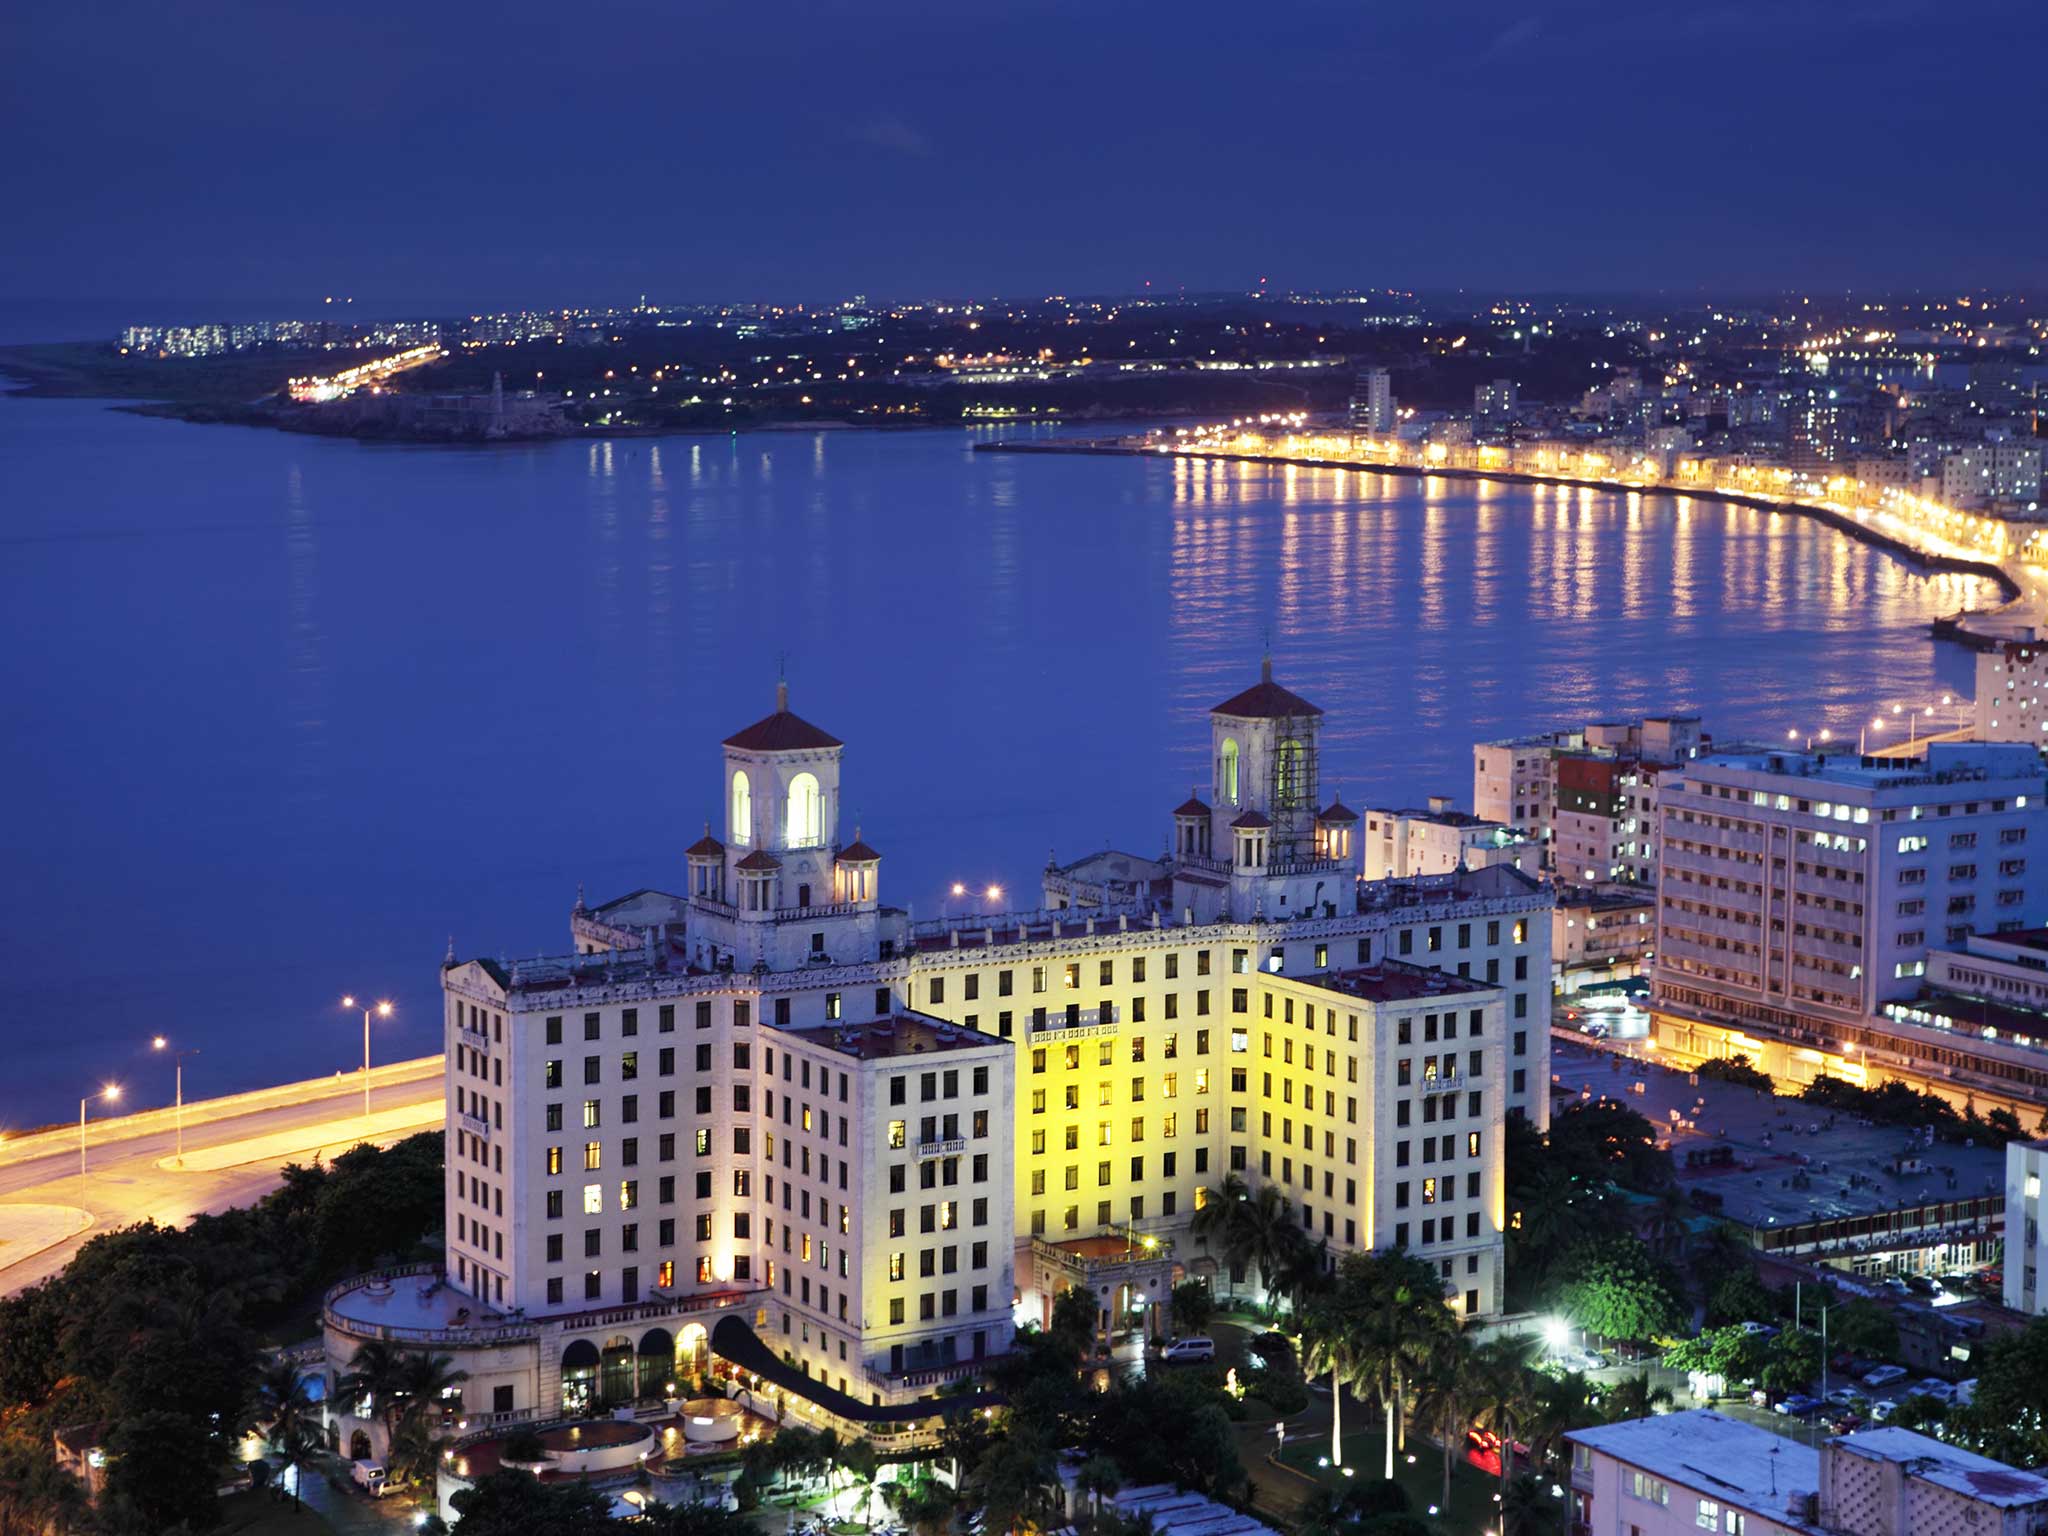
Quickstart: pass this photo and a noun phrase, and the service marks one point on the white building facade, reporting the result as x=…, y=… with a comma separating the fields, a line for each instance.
x=774, y=1117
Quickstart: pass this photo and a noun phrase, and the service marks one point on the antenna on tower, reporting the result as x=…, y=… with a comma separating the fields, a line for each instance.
x=782, y=682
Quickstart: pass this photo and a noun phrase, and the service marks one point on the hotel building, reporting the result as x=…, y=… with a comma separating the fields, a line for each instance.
x=776, y=1120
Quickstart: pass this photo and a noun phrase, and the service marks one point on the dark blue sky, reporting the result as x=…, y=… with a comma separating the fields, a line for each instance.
x=252, y=155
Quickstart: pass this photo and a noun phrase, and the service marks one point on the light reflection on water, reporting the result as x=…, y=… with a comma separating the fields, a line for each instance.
x=299, y=709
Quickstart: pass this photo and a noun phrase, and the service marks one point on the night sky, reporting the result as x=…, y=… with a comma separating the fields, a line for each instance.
x=248, y=157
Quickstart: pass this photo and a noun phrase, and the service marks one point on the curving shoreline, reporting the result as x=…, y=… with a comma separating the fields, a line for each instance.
x=1897, y=548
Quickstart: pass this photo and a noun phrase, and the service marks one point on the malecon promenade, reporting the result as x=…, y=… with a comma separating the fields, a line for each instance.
x=235, y=1150
x=1916, y=529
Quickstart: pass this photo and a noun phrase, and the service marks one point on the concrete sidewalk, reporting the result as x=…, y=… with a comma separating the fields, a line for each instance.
x=328, y=1137
x=26, y=1230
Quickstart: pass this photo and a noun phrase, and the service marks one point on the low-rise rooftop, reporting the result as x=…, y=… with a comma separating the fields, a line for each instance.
x=1719, y=1457
x=1392, y=982
x=904, y=1034
x=1948, y=1466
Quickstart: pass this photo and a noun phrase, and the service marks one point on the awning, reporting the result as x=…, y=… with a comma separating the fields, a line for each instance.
x=733, y=1340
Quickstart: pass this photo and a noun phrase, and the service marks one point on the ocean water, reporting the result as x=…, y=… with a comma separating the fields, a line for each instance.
x=283, y=714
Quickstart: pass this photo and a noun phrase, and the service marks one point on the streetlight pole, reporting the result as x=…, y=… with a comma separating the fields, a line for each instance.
x=160, y=1043
x=110, y=1092
x=383, y=1011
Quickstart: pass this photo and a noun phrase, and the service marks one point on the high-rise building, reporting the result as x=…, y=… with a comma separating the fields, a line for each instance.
x=1372, y=402
x=1798, y=895
x=775, y=1122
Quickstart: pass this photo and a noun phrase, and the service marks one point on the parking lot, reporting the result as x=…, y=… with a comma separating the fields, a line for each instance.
x=1792, y=1162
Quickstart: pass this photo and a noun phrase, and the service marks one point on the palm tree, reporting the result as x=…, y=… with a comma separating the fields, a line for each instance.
x=1526, y=1508
x=415, y=1452
x=1333, y=1339
x=1634, y=1398
x=1266, y=1233
x=1562, y=1404
x=1216, y=1215
x=1099, y=1478
x=422, y=1379
x=1668, y=1221
x=1448, y=1385
x=282, y=1402
x=925, y=1505
x=373, y=1372
x=1304, y=1269
x=297, y=1452
x=1505, y=1394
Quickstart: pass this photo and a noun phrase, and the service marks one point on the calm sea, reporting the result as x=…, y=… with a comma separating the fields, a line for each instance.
x=284, y=714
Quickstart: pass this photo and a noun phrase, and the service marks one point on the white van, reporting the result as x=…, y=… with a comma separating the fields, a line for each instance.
x=370, y=1477
x=1196, y=1347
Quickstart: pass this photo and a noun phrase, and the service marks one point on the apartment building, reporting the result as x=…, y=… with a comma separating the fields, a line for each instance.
x=1437, y=839
x=1680, y=1474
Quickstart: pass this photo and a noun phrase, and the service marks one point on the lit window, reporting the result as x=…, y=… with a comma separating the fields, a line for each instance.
x=593, y=1199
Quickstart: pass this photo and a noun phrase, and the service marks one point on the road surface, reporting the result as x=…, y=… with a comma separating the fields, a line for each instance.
x=134, y=1175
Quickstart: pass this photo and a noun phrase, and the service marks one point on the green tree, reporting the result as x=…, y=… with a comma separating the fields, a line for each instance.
x=1333, y=1340
x=1448, y=1383
x=1505, y=1385
x=1099, y=1478
x=1619, y=1291
x=1527, y=1509
x=2007, y=1418
x=161, y=1473
x=1860, y=1326
x=282, y=1402
x=1740, y=1296
x=1792, y=1361
x=1633, y=1397
x=508, y=1503
x=1192, y=1306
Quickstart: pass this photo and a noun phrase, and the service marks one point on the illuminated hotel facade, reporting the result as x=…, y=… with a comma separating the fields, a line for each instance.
x=775, y=1120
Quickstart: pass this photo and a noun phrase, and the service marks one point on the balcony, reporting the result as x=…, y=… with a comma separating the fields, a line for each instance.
x=1449, y=1084
x=948, y=1148
x=476, y=1125
x=475, y=1039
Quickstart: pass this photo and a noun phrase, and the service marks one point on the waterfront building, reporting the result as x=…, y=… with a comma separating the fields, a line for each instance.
x=1598, y=815
x=1992, y=473
x=1800, y=899
x=1494, y=402
x=775, y=1121
x=1372, y=402
x=1437, y=840
x=1679, y=1474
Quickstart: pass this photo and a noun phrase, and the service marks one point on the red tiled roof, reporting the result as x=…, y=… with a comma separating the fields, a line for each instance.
x=1338, y=811
x=782, y=732
x=1251, y=819
x=706, y=846
x=1193, y=807
x=1265, y=700
x=760, y=858
x=857, y=852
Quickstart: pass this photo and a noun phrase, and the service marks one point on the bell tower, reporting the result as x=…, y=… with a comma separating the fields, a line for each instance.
x=1266, y=763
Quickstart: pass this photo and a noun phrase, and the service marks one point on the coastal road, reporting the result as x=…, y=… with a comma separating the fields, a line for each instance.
x=235, y=1152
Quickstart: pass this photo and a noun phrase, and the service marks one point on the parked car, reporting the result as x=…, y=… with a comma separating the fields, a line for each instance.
x=1879, y=1412
x=1799, y=1405
x=1846, y=1424
x=1275, y=1351
x=1765, y=1329
x=1966, y=1393
x=370, y=1477
x=1936, y=1388
x=1195, y=1347
x=1884, y=1376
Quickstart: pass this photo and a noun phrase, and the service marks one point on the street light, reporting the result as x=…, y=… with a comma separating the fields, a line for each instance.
x=161, y=1044
x=383, y=1011
x=111, y=1092
x=994, y=893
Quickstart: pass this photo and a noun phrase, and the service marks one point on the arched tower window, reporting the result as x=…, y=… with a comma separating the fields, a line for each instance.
x=742, y=830
x=1291, y=788
x=1226, y=772
x=806, y=812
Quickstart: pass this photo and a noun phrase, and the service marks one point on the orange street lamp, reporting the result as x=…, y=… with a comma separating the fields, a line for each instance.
x=382, y=1011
